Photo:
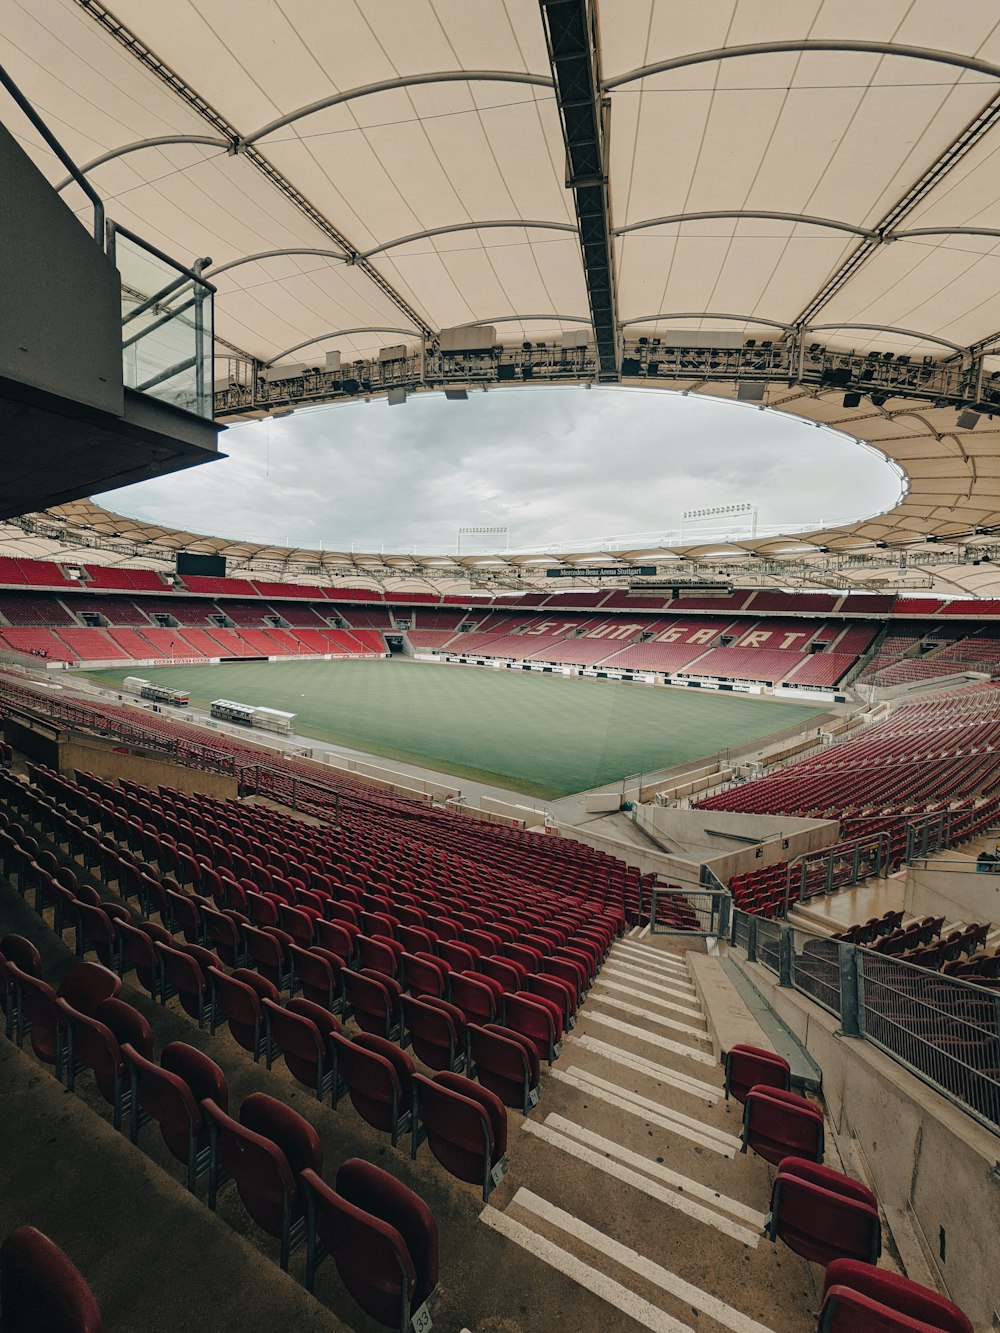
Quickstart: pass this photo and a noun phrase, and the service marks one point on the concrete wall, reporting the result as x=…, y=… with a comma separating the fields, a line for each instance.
x=926, y=1159
x=779, y=837
x=112, y=759
x=378, y=775
x=951, y=888
x=675, y=868
x=526, y=815
x=60, y=318
x=379, y=784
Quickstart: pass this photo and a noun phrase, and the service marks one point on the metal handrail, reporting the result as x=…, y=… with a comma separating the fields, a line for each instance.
x=115, y=229
x=7, y=82
x=926, y=1046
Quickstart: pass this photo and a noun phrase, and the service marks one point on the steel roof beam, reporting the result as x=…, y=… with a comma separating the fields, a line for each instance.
x=571, y=37
x=192, y=99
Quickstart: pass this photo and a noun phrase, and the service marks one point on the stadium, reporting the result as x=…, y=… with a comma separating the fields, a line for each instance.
x=576, y=935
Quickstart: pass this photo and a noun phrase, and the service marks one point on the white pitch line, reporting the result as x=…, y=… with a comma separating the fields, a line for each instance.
x=652, y=1038
x=640, y=1065
x=640, y=978
x=670, y=1125
x=591, y=1279
x=693, y=1188
x=650, y=999
x=651, y=1017
x=630, y=1100
x=637, y=1263
x=678, y=1202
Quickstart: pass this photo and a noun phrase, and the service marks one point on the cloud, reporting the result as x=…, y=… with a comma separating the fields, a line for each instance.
x=560, y=467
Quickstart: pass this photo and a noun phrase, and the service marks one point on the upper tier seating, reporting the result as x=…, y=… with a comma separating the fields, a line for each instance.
x=131, y=580
x=34, y=609
x=33, y=573
x=115, y=610
x=206, y=583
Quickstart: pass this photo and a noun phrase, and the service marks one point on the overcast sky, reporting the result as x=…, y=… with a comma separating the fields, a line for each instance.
x=559, y=467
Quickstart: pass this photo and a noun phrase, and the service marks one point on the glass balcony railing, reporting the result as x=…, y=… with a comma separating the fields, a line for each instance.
x=167, y=324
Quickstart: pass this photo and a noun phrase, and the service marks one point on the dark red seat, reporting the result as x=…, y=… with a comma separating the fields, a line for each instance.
x=437, y=1031
x=40, y=1290
x=748, y=1066
x=780, y=1124
x=858, y=1298
x=301, y=1032
x=338, y=937
x=317, y=973
x=95, y=1044
x=238, y=1000
x=536, y=1018
x=185, y=974
x=171, y=1093
x=506, y=1063
x=269, y=948
x=479, y=998
x=374, y=999
x=137, y=948
x=23, y=954
x=378, y=1076
x=465, y=1125
x=379, y=953
x=423, y=974
x=85, y=985
x=558, y=992
x=511, y=976
x=224, y=932
x=264, y=1153
x=822, y=1214
x=37, y=1012
x=383, y=1239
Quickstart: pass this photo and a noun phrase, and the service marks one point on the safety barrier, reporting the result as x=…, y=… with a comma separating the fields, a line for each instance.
x=943, y=1030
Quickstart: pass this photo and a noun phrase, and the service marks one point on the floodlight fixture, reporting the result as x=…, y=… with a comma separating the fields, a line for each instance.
x=968, y=420
x=396, y=397
x=456, y=395
x=852, y=400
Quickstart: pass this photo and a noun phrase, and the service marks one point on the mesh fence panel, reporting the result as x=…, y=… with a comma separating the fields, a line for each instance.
x=944, y=1031
x=816, y=969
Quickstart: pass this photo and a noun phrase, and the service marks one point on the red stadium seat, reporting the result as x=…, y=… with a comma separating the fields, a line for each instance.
x=780, y=1124
x=822, y=1214
x=465, y=1126
x=506, y=1063
x=748, y=1066
x=437, y=1031
x=858, y=1298
x=378, y=1076
x=383, y=1240
x=40, y=1290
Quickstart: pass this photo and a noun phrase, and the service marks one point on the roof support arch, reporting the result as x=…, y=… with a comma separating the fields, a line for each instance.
x=467, y=226
x=834, y=44
x=888, y=328
x=275, y=254
x=159, y=141
x=707, y=314
x=740, y=213
x=390, y=85
x=338, y=333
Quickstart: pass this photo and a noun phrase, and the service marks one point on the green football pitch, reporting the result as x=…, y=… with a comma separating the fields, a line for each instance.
x=545, y=736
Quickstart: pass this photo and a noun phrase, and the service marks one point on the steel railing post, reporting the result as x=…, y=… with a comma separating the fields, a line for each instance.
x=851, y=1003
x=751, y=939
x=786, y=951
